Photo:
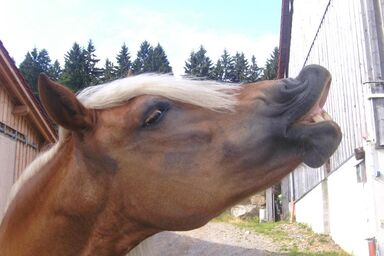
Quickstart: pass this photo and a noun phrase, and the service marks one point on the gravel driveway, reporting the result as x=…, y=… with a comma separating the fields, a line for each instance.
x=215, y=238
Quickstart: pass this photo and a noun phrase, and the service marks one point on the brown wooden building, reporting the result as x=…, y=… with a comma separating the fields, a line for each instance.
x=24, y=126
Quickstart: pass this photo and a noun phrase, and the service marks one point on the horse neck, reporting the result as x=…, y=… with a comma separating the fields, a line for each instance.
x=64, y=210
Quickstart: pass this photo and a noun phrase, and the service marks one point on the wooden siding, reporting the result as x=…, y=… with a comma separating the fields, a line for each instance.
x=26, y=150
x=15, y=84
x=24, y=126
x=331, y=33
x=7, y=165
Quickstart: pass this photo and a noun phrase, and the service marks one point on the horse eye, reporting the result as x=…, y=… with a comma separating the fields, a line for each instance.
x=154, y=117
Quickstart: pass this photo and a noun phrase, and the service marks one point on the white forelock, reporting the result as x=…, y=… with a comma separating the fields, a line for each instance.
x=207, y=94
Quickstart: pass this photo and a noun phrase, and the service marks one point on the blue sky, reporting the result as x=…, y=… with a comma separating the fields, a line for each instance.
x=179, y=26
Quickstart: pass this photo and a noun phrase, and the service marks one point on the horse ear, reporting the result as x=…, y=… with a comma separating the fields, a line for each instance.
x=62, y=105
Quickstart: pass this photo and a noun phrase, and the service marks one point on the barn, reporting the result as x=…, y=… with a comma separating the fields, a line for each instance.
x=24, y=126
x=345, y=197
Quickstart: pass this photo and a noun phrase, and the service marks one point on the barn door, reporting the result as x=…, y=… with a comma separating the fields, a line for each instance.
x=7, y=167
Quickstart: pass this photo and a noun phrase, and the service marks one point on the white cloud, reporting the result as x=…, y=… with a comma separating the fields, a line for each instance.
x=179, y=39
x=130, y=24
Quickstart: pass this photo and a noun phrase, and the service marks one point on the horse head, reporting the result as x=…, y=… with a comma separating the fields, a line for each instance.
x=171, y=156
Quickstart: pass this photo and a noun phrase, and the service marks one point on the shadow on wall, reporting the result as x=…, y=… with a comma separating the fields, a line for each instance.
x=171, y=244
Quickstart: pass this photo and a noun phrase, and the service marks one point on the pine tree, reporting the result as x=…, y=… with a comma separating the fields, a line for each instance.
x=43, y=60
x=270, y=70
x=159, y=61
x=35, y=62
x=240, y=68
x=254, y=71
x=54, y=71
x=75, y=74
x=147, y=61
x=191, y=64
x=29, y=69
x=218, y=71
x=142, y=63
x=92, y=73
x=228, y=66
x=123, y=62
x=109, y=72
x=198, y=65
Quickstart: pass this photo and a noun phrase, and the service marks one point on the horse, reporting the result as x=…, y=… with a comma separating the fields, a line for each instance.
x=150, y=153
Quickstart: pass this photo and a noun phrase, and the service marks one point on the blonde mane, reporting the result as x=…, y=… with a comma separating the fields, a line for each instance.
x=207, y=94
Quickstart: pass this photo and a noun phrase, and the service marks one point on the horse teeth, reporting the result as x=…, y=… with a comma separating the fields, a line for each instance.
x=327, y=116
x=318, y=118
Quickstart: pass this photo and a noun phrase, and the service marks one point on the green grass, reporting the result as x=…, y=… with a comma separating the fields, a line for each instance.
x=265, y=228
x=275, y=231
x=301, y=253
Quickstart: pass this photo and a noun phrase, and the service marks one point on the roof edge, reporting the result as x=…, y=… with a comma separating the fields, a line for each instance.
x=25, y=95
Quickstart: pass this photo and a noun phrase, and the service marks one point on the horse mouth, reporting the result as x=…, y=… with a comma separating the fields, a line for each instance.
x=317, y=114
x=318, y=136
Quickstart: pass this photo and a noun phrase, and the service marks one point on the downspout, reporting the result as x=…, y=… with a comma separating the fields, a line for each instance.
x=373, y=88
x=292, y=199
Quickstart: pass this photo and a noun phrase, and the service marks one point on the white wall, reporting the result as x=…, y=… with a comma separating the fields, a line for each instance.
x=378, y=199
x=349, y=210
x=310, y=210
x=345, y=44
x=339, y=201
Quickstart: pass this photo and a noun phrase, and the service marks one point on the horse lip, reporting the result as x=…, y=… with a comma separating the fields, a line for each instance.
x=311, y=127
x=318, y=80
x=317, y=107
